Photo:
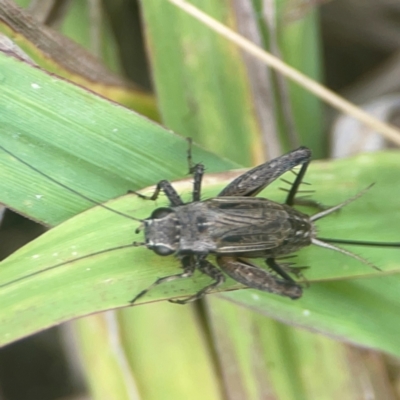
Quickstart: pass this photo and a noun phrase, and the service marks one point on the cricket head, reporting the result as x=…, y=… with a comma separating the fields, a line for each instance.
x=162, y=231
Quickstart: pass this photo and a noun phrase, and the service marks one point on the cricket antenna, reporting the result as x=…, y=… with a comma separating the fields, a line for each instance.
x=61, y=264
x=324, y=242
x=97, y=203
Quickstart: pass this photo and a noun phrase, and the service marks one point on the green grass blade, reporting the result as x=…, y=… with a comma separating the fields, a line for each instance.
x=106, y=369
x=98, y=148
x=174, y=334
x=56, y=278
x=205, y=89
x=264, y=358
x=362, y=311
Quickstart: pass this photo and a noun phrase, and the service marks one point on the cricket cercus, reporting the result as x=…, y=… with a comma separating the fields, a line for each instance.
x=236, y=227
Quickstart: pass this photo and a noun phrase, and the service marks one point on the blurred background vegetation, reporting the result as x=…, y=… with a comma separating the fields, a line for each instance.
x=154, y=59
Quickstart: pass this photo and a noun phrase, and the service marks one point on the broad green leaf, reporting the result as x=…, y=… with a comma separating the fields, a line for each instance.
x=201, y=80
x=87, y=143
x=157, y=334
x=38, y=281
x=361, y=311
x=36, y=295
x=211, y=88
x=101, y=355
x=290, y=361
x=126, y=353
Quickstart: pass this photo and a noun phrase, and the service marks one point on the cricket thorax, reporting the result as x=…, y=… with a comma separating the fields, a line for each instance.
x=197, y=224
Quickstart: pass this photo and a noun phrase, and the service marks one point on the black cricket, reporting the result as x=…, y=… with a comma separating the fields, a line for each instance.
x=235, y=226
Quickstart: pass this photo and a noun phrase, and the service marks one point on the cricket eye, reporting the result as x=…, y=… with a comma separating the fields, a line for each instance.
x=163, y=250
x=160, y=213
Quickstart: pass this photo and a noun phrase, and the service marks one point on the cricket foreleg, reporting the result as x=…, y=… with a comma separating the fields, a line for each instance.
x=208, y=269
x=255, y=180
x=198, y=172
x=257, y=278
x=188, y=265
x=168, y=190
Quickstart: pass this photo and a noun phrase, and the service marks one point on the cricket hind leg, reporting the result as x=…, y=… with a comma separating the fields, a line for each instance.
x=213, y=272
x=257, y=278
x=188, y=265
x=278, y=269
x=290, y=199
x=254, y=181
x=284, y=269
x=294, y=190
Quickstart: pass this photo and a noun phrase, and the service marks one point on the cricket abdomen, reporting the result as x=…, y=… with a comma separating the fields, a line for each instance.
x=257, y=227
x=301, y=232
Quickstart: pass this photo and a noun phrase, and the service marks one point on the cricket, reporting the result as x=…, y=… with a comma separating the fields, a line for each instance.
x=235, y=227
